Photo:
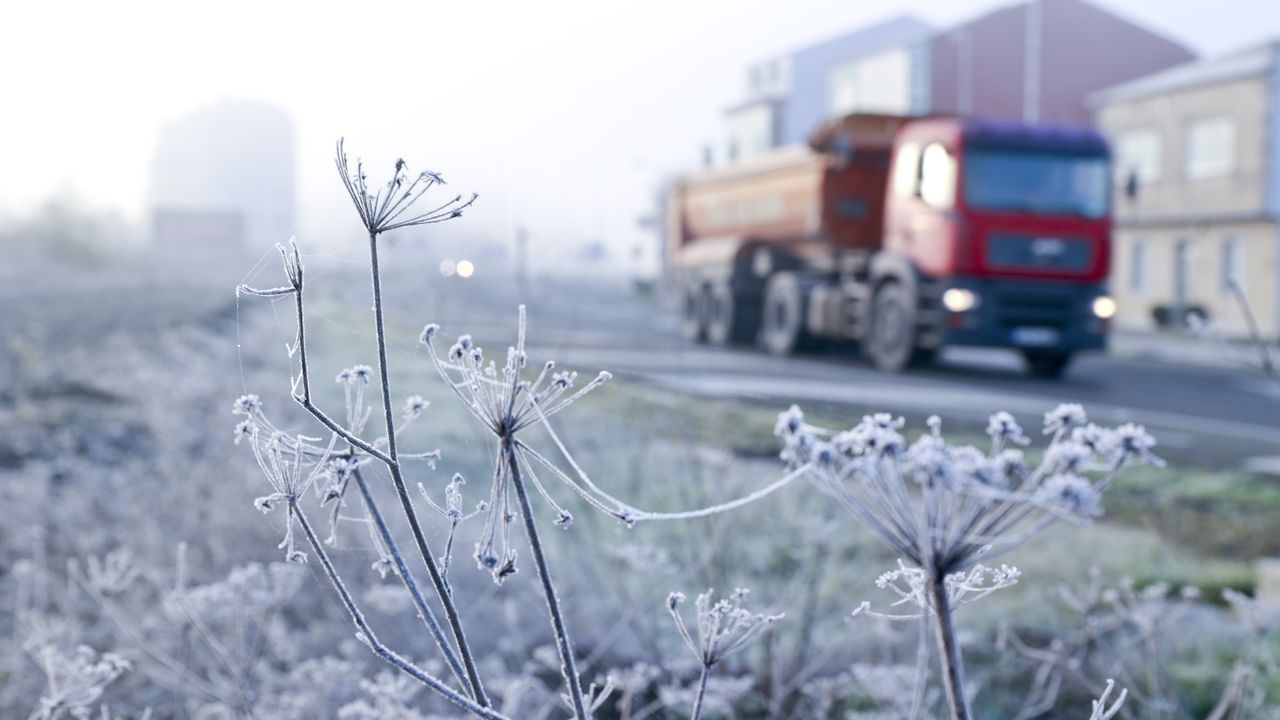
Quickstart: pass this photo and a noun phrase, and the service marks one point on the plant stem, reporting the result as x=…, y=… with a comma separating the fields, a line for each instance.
x=382, y=651
x=567, y=665
x=406, y=503
x=948, y=647
x=410, y=583
x=702, y=692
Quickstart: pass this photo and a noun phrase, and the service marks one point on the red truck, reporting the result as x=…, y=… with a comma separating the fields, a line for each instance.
x=903, y=235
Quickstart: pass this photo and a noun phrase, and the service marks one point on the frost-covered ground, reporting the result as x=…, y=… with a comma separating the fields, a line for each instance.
x=129, y=528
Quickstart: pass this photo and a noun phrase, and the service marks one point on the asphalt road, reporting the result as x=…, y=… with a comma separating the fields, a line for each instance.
x=1220, y=417
x=1217, y=417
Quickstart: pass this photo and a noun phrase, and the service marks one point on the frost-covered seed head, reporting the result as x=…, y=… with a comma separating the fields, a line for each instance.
x=246, y=405
x=428, y=333
x=1063, y=418
x=1068, y=456
x=414, y=406
x=1002, y=427
x=790, y=422
x=1072, y=493
x=1133, y=441
x=244, y=430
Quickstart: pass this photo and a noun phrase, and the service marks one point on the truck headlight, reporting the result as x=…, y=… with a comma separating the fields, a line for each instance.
x=959, y=300
x=1104, y=307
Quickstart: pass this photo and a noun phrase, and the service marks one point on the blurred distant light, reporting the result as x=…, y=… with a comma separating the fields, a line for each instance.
x=449, y=267
x=1104, y=307
x=465, y=268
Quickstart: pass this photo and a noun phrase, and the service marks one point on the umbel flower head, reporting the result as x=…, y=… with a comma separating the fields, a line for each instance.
x=506, y=403
x=723, y=627
x=291, y=463
x=391, y=207
x=941, y=506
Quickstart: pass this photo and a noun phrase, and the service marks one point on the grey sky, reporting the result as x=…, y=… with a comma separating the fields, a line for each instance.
x=561, y=114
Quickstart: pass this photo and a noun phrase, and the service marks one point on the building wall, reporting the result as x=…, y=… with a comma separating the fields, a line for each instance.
x=1039, y=61
x=1085, y=49
x=1173, y=205
x=1206, y=265
x=809, y=101
x=1174, y=195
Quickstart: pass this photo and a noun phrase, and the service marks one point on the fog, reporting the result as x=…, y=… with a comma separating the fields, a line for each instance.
x=564, y=116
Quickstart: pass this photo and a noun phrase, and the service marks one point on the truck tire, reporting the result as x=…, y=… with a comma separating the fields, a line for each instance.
x=731, y=319
x=782, y=327
x=693, y=316
x=1046, y=364
x=891, y=337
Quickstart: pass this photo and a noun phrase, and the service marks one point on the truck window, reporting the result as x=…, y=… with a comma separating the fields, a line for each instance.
x=906, y=170
x=1036, y=181
x=937, y=176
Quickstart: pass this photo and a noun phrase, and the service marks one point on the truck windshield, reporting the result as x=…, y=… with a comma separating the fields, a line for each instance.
x=1036, y=182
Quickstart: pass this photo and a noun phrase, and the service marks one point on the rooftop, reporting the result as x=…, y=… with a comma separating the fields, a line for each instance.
x=1252, y=62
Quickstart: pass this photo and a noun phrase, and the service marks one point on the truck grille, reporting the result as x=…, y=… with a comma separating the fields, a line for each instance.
x=1045, y=252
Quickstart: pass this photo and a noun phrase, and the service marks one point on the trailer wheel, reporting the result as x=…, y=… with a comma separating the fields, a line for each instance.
x=693, y=313
x=891, y=342
x=1047, y=364
x=731, y=319
x=782, y=328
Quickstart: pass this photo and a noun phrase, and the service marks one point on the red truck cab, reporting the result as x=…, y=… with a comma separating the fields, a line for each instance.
x=1011, y=225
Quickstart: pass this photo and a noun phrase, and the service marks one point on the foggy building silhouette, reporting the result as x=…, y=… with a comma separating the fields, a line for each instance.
x=222, y=182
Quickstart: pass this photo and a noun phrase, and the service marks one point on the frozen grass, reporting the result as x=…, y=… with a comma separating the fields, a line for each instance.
x=180, y=621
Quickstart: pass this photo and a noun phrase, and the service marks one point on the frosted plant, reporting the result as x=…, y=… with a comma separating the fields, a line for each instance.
x=392, y=207
x=506, y=404
x=942, y=507
x=453, y=513
x=910, y=584
x=720, y=696
x=1245, y=694
x=386, y=209
x=73, y=682
x=1103, y=711
x=1262, y=357
x=629, y=683
x=388, y=695
x=722, y=627
x=1113, y=621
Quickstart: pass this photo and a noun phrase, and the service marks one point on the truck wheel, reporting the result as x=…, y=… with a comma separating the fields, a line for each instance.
x=1047, y=364
x=782, y=328
x=693, y=321
x=730, y=318
x=891, y=342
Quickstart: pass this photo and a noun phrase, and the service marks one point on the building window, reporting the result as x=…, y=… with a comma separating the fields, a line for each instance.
x=1211, y=148
x=1138, y=266
x=1232, y=265
x=875, y=83
x=1137, y=154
